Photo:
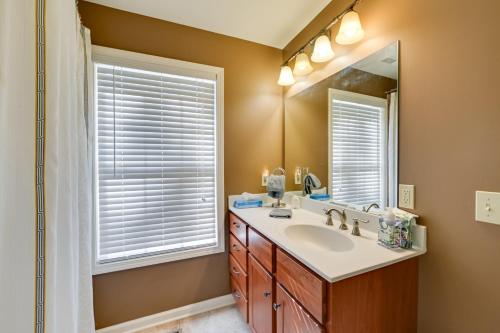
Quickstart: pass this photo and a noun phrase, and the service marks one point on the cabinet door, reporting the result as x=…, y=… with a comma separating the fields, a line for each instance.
x=291, y=317
x=260, y=297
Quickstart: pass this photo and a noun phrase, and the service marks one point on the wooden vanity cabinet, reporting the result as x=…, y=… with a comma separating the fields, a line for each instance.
x=282, y=295
x=260, y=308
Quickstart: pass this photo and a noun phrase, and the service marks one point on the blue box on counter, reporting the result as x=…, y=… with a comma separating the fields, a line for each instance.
x=247, y=203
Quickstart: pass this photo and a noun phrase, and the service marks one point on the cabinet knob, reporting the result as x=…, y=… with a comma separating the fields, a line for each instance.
x=276, y=306
x=267, y=293
x=236, y=294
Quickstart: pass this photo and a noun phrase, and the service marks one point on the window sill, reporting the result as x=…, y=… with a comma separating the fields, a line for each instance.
x=154, y=260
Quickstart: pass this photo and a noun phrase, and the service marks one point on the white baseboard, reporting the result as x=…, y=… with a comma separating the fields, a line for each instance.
x=170, y=315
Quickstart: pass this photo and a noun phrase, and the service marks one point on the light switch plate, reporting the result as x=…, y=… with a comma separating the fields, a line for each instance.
x=488, y=207
x=406, y=196
x=298, y=176
x=264, y=180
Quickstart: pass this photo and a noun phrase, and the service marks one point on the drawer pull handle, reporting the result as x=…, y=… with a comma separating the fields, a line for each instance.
x=235, y=271
x=236, y=294
x=276, y=306
x=235, y=246
x=267, y=293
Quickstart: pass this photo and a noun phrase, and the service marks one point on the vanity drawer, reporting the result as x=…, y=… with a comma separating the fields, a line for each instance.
x=238, y=274
x=238, y=251
x=261, y=248
x=238, y=228
x=240, y=299
x=302, y=284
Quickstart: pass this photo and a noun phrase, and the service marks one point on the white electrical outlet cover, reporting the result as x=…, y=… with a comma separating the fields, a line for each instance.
x=406, y=196
x=488, y=207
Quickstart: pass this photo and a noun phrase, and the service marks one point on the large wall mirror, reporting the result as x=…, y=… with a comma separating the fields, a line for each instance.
x=344, y=130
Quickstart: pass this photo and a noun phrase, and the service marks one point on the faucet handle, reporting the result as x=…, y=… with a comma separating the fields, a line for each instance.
x=355, y=226
x=328, y=212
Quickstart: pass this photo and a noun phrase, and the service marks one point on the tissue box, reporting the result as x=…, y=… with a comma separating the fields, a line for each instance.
x=389, y=236
x=398, y=235
x=247, y=203
x=320, y=196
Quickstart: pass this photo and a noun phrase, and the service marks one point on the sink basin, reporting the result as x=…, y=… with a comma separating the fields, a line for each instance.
x=320, y=237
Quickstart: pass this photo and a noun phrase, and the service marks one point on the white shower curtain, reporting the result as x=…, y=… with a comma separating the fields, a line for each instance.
x=17, y=176
x=65, y=297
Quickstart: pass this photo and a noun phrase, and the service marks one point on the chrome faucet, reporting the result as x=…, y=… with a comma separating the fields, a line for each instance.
x=340, y=213
x=366, y=210
x=355, y=226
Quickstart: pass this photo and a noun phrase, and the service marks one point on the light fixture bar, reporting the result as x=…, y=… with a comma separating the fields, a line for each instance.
x=335, y=20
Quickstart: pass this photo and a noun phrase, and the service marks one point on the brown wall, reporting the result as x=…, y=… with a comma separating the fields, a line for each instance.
x=306, y=120
x=253, y=104
x=449, y=137
x=449, y=116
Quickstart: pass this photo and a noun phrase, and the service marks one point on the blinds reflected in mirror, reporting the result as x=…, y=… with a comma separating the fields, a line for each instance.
x=156, y=163
x=358, y=148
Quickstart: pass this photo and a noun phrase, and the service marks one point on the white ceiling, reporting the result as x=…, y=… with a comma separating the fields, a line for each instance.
x=268, y=22
x=383, y=62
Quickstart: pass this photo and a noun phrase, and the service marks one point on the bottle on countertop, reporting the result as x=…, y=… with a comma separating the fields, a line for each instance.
x=295, y=202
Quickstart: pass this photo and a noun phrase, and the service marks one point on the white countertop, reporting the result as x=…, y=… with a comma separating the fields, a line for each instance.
x=362, y=253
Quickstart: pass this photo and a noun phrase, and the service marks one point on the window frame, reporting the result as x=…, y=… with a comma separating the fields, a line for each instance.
x=118, y=57
x=371, y=100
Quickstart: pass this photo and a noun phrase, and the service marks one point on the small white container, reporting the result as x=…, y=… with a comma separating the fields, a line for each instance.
x=295, y=202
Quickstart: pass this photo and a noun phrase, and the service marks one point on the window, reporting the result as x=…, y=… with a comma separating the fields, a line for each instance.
x=158, y=160
x=358, y=148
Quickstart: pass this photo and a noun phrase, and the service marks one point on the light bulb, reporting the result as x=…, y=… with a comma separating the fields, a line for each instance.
x=322, y=49
x=302, y=65
x=286, y=76
x=350, y=31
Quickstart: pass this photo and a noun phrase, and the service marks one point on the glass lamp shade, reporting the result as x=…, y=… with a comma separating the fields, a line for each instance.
x=286, y=76
x=350, y=31
x=302, y=65
x=322, y=49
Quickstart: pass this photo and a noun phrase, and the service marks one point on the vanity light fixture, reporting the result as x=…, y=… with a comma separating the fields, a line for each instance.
x=286, y=76
x=323, y=51
x=302, y=65
x=350, y=32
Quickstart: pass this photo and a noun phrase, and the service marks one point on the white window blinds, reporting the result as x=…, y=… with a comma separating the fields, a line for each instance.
x=357, y=148
x=156, y=163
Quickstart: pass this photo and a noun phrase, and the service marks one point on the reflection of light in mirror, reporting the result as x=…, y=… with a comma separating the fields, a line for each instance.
x=346, y=56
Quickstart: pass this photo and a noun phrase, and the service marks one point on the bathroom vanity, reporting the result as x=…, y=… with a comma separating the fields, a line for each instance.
x=299, y=275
